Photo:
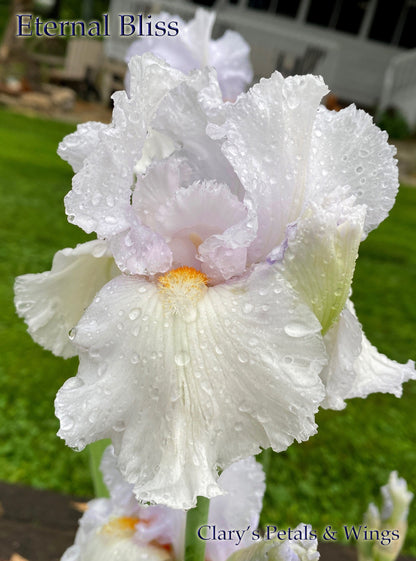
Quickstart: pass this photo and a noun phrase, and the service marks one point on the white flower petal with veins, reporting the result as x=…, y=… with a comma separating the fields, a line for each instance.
x=193, y=48
x=355, y=367
x=101, y=189
x=363, y=161
x=267, y=140
x=76, y=147
x=319, y=261
x=53, y=302
x=181, y=396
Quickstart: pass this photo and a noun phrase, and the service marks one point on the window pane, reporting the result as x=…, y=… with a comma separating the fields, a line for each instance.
x=259, y=4
x=204, y=2
x=320, y=12
x=288, y=7
x=408, y=37
x=351, y=16
x=385, y=20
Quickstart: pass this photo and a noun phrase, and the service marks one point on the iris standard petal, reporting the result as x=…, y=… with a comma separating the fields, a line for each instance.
x=348, y=150
x=266, y=136
x=101, y=189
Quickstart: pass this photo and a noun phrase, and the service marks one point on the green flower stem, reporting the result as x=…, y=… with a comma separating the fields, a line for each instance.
x=96, y=450
x=265, y=460
x=195, y=518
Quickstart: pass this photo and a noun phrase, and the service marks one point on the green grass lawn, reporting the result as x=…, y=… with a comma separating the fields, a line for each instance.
x=328, y=480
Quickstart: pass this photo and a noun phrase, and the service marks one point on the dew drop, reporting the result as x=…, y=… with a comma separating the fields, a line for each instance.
x=182, y=358
x=295, y=329
x=243, y=358
x=73, y=383
x=119, y=426
x=96, y=199
x=72, y=333
x=134, y=313
x=24, y=306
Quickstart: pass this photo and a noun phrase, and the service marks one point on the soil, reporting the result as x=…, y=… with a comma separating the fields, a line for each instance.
x=38, y=525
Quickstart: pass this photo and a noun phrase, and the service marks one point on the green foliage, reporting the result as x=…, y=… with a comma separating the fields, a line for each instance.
x=393, y=122
x=33, y=227
x=328, y=480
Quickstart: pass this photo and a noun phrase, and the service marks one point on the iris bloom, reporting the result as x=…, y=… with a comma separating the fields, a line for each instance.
x=193, y=48
x=119, y=528
x=217, y=317
x=282, y=550
x=390, y=525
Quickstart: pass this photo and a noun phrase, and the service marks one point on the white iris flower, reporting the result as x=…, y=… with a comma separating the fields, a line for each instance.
x=282, y=550
x=193, y=48
x=119, y=528
x=223, y=269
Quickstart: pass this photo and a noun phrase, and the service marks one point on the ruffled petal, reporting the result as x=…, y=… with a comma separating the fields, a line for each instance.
x=171, y=49
x=302, y=547
x=245, y=485
x=206, y=222
x=343, y=343
x=181, y=395
x=230, y=56
x=320, y=257
x=101, y=189
x=159, y=184
x=348, y=150
x=266, y=136
x=52, y=303
x=377, y=373
x=139, y=250
x=183, y=117
x=75, y=147
x=197, y=35
x=355, y=367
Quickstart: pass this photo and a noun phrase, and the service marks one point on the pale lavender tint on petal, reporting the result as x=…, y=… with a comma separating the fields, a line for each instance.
x=230, y=56
x=139, y=250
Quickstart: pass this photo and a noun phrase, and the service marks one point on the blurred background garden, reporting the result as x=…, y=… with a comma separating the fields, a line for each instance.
x=328, y=480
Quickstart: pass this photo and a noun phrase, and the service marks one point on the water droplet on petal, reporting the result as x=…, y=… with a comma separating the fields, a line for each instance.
x=248, y=308
x=295, y=329
x=119, y=426
x=243, y=358
x=24, y=306
x=72, y=333
x=182, y=358
x=134, y=313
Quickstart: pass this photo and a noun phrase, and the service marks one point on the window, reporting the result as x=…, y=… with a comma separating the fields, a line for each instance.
x=385, y=20
x=320, y=12
x=288, y=7
x=350, y=16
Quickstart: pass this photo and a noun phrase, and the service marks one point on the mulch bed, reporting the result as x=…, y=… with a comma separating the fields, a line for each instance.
x=41, y=525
